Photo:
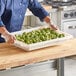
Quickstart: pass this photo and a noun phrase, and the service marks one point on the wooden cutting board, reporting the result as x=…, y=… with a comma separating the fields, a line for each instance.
x=11, y=56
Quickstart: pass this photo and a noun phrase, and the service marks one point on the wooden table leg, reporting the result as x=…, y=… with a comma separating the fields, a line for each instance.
x=60, y=67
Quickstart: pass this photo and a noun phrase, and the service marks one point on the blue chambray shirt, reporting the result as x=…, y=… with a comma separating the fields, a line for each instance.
x=12, y=12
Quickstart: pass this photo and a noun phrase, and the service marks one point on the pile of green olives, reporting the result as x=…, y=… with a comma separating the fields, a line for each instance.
x=38, y=35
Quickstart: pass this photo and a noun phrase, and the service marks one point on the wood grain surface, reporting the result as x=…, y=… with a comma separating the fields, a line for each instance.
x=11, y=56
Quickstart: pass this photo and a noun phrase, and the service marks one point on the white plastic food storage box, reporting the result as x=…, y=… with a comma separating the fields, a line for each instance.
x=38, y=45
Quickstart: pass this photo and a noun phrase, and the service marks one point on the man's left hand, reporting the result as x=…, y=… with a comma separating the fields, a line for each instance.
x=48, y=20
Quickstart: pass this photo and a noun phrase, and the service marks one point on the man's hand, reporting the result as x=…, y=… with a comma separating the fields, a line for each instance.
x=48, y=20
x=8, y=37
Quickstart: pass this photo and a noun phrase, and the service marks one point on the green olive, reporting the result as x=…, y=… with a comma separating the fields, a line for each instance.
x=38, y=36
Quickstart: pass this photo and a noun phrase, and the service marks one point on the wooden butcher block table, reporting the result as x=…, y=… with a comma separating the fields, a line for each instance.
x=11, y=56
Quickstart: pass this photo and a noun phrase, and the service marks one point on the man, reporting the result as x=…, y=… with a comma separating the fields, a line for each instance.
x=12, y=14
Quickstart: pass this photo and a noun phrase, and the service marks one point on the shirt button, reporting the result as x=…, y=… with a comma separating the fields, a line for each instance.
x=20, y=4
x=20, y=16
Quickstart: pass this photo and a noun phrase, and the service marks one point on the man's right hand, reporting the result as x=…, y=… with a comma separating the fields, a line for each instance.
x=8, y=37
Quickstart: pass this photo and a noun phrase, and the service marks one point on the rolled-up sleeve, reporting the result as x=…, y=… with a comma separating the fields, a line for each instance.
x=36, y=8
x=2, y=7
x=1, y=23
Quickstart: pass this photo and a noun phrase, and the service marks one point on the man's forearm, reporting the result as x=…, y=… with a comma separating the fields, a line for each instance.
x=3, y=30
x=47, y=19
